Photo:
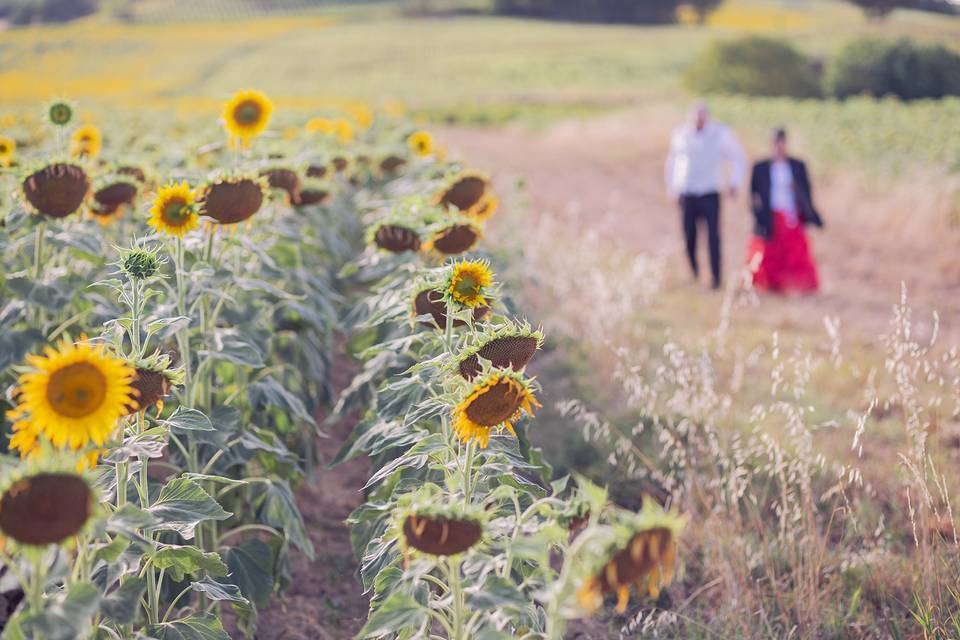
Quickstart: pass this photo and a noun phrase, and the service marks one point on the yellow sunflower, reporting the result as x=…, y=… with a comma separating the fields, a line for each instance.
x=497, y=400
x=344, y=130
x=8, y=147
x=487, y=206
x=362, y=115
x=320, y=125
x=173, y=211
x=86, y=142
x=246, y=115
x=72, y=396
x=420, y=143
x=468, y=281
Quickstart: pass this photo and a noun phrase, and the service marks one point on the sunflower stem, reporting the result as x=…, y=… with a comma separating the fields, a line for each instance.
x=37, y=577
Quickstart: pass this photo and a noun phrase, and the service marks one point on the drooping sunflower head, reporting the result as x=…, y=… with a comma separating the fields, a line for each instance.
x=469, y=283
x=463, y=191
x=400, y=229
x=391, y=164
x=429, y=522
x=174, y=211
x=113, y=191
x=487, y=206
x=508, y=346
x=454, y=234
x=494, y=401
x=230, y=199
x=45, y=505
x=8, y=150
x=153, y=379
x=246, y=115
x=314, y=191
x=73, y=396
x=634, y=549
x=428, y=300
x=59, y=113
x=57, y=189
x=85, y=142
x=285, y=179
x=420, y=143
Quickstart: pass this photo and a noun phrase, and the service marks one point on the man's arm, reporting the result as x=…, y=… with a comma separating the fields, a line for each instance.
x=670, y=166
x=734, y=154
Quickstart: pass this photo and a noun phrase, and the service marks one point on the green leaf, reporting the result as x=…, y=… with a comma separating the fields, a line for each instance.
x=184, y=419
x=182, y=505
x=399, y=611
x=66, y=617
x=181, y=561
x=121, y=606
x=251, y=569
x=278, y=508
x=271, y=393
x=110, y=552
x=128, y=520
x=200, y=626
x=495, y=593
x=219, y=591
x=237, y=348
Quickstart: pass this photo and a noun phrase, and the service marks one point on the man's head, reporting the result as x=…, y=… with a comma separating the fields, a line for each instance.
x=700, y=114
x=778, y=139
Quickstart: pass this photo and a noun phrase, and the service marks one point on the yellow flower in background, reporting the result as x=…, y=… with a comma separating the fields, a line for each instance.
x=172, y=211
x=362, y=115
x=86, y=142
x=324, y=126
x=420, y=143
x=498, y=400
x=8, y=148
x=468, y=282
x=73, y=396
x=246, y=115
x=394, y=108
x=344, y=130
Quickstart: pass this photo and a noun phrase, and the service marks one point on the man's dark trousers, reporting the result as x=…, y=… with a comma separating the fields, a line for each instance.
x=703, y=207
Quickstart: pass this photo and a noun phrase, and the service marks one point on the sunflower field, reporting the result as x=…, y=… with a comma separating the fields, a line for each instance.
x=173, y=312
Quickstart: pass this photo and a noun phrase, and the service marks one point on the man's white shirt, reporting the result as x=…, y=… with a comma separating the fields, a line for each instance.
x=695, y=164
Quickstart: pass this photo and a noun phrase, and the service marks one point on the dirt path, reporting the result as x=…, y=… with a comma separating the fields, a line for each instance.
x=606, y=176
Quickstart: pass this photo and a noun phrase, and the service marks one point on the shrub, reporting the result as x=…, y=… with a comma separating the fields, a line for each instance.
x=626, y=11
x=755, y=66
x=22, y=12
x=900, y=68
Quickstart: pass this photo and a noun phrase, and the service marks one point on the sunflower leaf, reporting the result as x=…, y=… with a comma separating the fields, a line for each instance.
x=181, y=561
x=200, y=626
x=182, y=505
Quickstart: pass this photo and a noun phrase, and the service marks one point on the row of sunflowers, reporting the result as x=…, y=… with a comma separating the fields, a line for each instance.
x=168, y=339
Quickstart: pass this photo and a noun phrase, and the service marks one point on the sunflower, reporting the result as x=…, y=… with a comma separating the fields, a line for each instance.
x=320, y=125
x=420, y=143
x=8, y=147
x=487, y=206
x=57, y=189
x=246, y=115
x=86, y=142
x=468, y=281
x=60, y=113
x=344, y=130
x=72, y=395
x=499, y=399
x=230, y=199
x=173, y=211
x=45, y=507
x=643, y=552
x=429, y=522
x=362, y=115
x=464, y=192
x=509, y=346
x=456, y=238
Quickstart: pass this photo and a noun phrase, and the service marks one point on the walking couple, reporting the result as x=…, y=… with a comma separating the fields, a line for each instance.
x=780, y=198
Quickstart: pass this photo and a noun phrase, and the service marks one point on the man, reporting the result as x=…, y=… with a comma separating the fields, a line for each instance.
x=695, y=177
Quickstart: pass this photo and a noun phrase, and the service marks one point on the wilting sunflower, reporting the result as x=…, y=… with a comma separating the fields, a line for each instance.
x=73, y=395
x=509, y=346
x=57, y=189
x=173, y=210
x=85, y=142
x=426, y=521
x=468, y=282
x=640, y=549
x=464, y=191
x=230, y=199
x=487, y=206
x=454, y=236
x=42, y=507
x=111, y=194
x=420, y=143
x=8, y=148
x=246, y=115
x=496, y=400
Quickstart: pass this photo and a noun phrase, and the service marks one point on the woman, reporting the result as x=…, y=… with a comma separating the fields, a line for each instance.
x=779, y=255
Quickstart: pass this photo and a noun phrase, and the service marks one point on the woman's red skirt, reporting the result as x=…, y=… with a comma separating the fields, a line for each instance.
x=783, y=263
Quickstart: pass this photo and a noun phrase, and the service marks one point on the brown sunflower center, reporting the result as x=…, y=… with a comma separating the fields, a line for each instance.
x=45, y=509
x=77, y=390
x=176, y=212
x=247, y=112
x=3, y=148
x=496, y=405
